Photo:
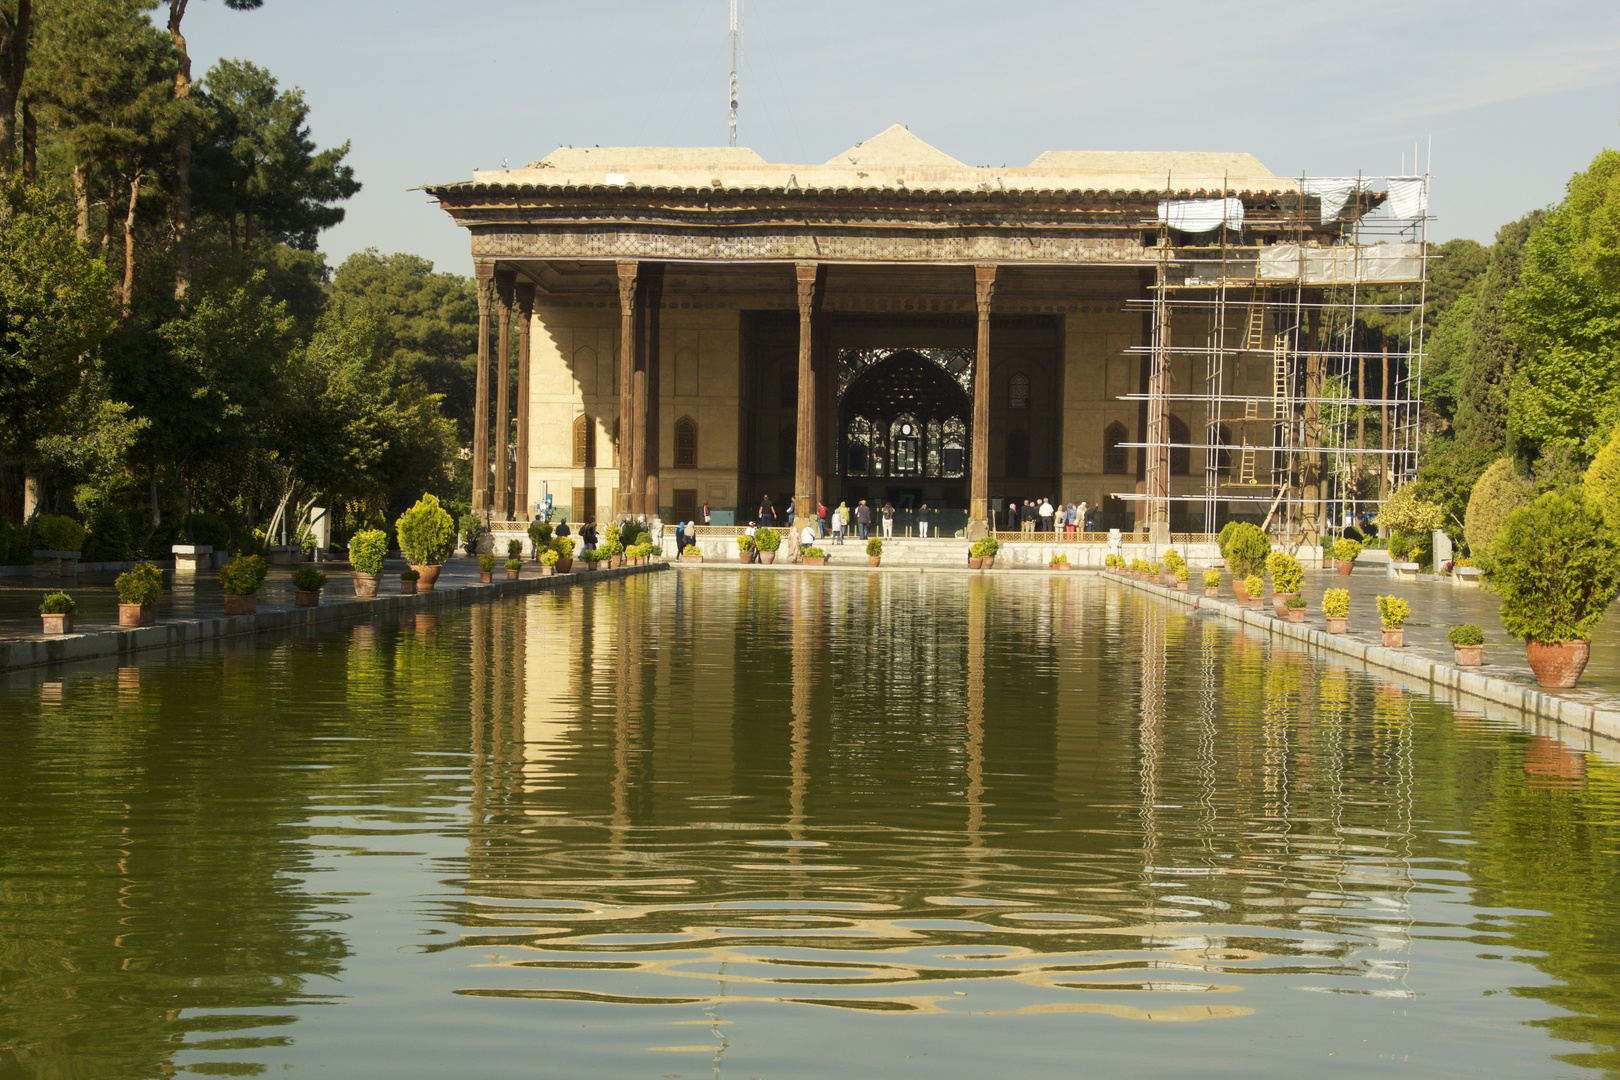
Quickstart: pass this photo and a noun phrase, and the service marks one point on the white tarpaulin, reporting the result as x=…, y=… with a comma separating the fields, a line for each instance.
x=1201, y=215
x=1408, y=196
x=1334, y=190
x=1333, y=265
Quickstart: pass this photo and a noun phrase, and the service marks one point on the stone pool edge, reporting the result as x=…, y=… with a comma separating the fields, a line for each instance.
x=1530, y=701
x=100, y=644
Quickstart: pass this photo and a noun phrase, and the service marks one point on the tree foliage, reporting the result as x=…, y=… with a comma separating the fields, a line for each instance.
x=1408, y=512
x=1497, y=493
x=1492, y=353
x=1602, y=481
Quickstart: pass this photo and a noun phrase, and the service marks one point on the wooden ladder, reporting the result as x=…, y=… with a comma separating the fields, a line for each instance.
x=1279, y=363
x=1257, y=328
x=1251, y=412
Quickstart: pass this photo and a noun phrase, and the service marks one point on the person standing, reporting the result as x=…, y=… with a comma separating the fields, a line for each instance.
x=1047, y=511
x=821, y=519
x=705, y=511
x=922, y=521
x=863, y=518
x=1026, y=517
x=838, y=524
x=767, y=513
x=1068, y=520
x=793, y=505
x=888, y=519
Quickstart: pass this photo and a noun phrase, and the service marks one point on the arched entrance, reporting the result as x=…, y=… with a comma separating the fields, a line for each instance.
x=904, y=425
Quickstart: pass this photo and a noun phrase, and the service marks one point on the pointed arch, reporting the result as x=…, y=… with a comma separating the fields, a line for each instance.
x=1018, y=391
x=1116, y=458
x=686, y=443
x=584, y=442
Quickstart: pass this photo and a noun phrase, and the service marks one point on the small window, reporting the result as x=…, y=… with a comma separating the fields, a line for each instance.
x=1017, y=452
x=584, y=443
x=1116, y=459
x=686, y=443
x=1018, y=392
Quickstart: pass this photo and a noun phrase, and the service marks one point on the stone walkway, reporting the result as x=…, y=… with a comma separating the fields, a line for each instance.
x=1437, y=606
x=192, y=597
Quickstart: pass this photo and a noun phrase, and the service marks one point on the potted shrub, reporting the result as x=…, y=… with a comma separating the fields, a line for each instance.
x=56, y=613
x=977, y=554
x=767, y=540
x=1345, y=551
x=1244, y=548
x=242, y=578
x=745, y=548
x=1286, y=578
x=1336, y=609
x=1182, y=575
x=367, y=550
x=874, y=551
x=814, y=556
x=486, y=567
x=407, y=581
x=1212, y=582
x=1556, y=564
x=1059, y=562
x=1252, y=591
x=138, y=590
x=615, y=554
x=539, y=537
x=1393, y=613
x=548, y=563
x=1295, y=607
x=564, y=547
x=307, y=585
x=1467, y=644
x=690, y=553
x=427, y=536
x=991, y=546
x=514, y=565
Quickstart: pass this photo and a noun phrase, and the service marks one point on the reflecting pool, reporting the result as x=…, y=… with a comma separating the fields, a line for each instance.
x=708, y=823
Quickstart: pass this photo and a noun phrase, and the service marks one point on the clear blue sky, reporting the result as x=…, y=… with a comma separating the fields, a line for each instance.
x=1517, y=96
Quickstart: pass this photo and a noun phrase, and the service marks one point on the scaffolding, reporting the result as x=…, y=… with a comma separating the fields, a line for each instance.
x=1279, y=334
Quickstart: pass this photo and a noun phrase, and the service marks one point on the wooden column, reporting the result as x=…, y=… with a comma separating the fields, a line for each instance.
x=984, y=286
x=504, y=285
x=647, y=439
x=1158, y=432
x=804, y=471
x=485, y=275
x=521, y=503
x=627, y=370
x=826, y=384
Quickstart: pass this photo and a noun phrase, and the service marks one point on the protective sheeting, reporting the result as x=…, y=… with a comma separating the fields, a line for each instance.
x=1201, y=215
x=1336, y=265
x=1408, y=195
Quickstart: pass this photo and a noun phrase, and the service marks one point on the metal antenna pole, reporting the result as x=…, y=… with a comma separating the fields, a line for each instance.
x=736, y=60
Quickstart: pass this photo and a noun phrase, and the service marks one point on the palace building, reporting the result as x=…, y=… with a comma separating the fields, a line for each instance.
x=666, y=327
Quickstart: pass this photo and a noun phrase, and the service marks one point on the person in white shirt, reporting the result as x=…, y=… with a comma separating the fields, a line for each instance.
x=838, y=526
x=807, y=537
x=1046, y=515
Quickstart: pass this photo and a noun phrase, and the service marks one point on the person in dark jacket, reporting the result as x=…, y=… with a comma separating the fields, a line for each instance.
x=863, y=518
x=767, y=512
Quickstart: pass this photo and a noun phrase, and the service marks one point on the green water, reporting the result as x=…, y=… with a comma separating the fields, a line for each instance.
x=781, y=825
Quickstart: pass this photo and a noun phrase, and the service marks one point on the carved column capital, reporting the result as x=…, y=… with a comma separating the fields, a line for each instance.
x=627, y=283
x=525, y=299
x=805, y=273
x=984, y=284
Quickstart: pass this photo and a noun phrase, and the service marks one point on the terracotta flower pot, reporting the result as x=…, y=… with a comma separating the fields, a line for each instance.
x=1327, y=562
x=873, y=560
x=1337, y=626
x=616, y=562
x=241, y=605
x=1344, y=568
x=545, y=571
x=975, y=562
x=1181, y=586
x=815, y=562
x=137, y=614
x=365, y=584
x=1396, y=638
x=429, y=577
x=745, y=556
x=1279, y=603
x=484, y=576
x=565, y=566
x=407, y=588
x=61, y=623
x=1468, y=655
x=512, y=575
x=307, y=598
x=1212, y=591
x=691, y=558
x=1557, y=664
x=1257, y=603
x=1241, y=591
x=767, y=557
x=989, y=561
x=1296, y=614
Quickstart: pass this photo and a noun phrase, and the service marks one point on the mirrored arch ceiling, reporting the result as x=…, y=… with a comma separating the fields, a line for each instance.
x=920, y=380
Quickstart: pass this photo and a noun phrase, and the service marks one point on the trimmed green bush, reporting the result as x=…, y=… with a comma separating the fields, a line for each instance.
x=408, y=574
x=991, y=545
x=548, y=557
x=563, y=546
x=1182, y=573
x=426, y=533
x=486, y=561
x=53, y=532
x=367, y=550
x=58, y=603
x=1393, y=612
x=514, y=548
x=1400, y=546
x=307, y=579
x=243, y=576
x=767, y=539
x=814, y=553
x=745, y=542
x=1336, y=603
x=1602, y=481
x=874, y=546
x=631, y=532
x=1254, y=585
x=1212, y=578
x=1246, y=547
x=517, y=564
x=539, y=534
x=1286, y=574
x=690, y=549
x=1295, y=602
x=1465, y=634
x=1405, y=511
x=141, y=584
x=1497, y=493
x=1346, y=549
x=1556, y=563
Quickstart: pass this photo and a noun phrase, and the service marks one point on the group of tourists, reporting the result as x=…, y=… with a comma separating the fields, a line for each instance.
x=1040, y=516
x=835, y=524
